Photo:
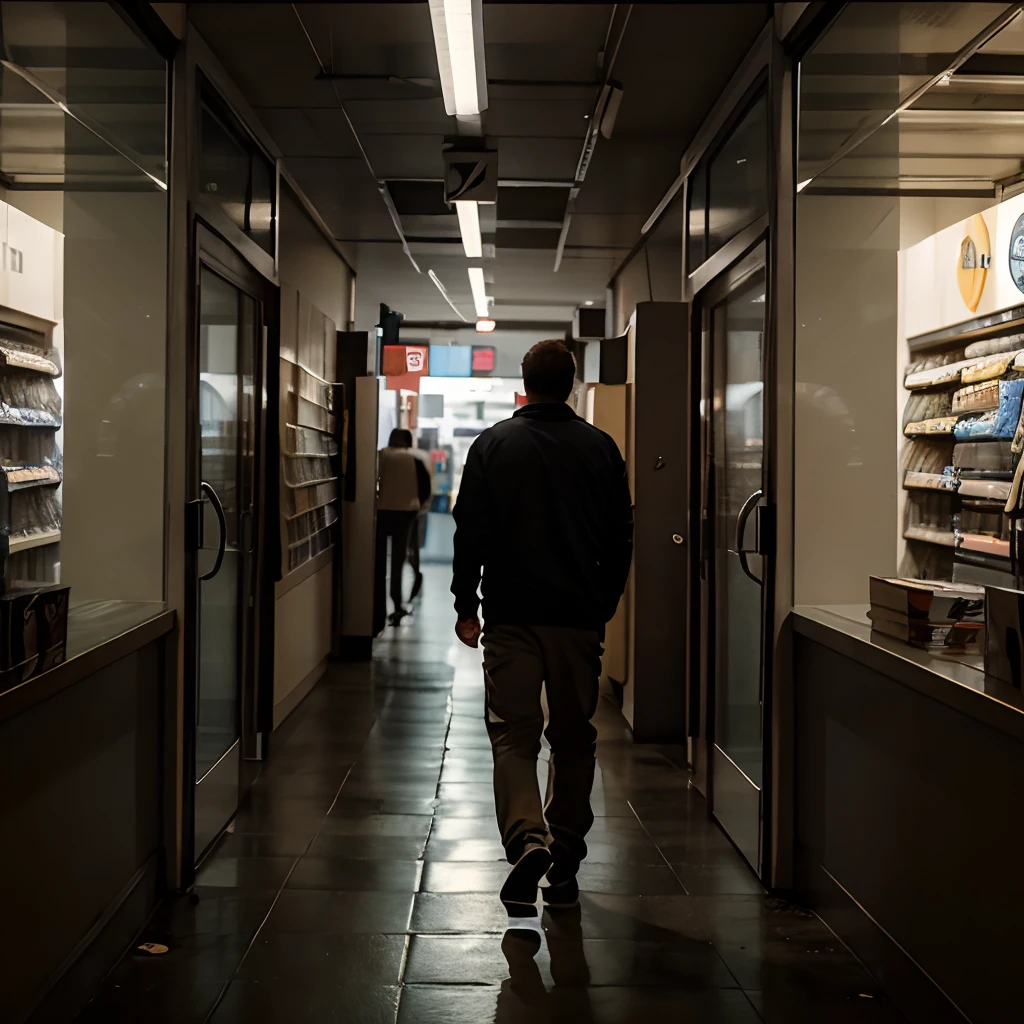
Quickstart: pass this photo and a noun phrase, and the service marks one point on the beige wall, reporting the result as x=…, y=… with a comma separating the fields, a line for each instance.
x=316, y=288
x=846, y=479
x=609, y=414
x=115, y=354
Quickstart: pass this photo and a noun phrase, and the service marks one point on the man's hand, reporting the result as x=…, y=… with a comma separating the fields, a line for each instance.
x=468, y=631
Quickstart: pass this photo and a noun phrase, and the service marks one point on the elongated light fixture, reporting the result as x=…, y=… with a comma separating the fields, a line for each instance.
x=479, y=289
x=459, y=42
x=469, y=228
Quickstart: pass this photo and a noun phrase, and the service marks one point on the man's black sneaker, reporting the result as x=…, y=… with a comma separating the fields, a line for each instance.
x=562, y=894
x=523, y=879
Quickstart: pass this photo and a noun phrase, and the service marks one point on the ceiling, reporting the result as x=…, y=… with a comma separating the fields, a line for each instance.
x=544, y=76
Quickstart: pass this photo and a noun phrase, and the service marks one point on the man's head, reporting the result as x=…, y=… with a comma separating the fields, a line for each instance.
x=400, y=438
x=548, y=372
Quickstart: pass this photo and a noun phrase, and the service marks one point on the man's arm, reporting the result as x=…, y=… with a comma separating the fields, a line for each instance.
x=618, y=554
x=471, y=516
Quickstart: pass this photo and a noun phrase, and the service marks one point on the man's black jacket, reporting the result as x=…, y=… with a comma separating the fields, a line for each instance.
x=544, y=513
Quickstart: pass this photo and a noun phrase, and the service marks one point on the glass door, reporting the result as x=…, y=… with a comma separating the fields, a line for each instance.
x=221, y=525
x=734, y=332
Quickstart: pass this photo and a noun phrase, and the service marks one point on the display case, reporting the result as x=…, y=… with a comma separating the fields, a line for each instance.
x=33, y=605
x=963, y=441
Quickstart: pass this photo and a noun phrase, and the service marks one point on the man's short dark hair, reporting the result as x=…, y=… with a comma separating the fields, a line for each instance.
x=400, y=438
x=549, y=370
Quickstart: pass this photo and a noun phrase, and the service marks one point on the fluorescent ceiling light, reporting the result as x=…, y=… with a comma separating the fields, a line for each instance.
x=469, y=227
x=459, y=42
x=485, y=325
x=479, y=289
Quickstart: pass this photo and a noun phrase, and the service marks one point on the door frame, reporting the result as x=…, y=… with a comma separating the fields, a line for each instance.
x=210, y=250
x=746, y=261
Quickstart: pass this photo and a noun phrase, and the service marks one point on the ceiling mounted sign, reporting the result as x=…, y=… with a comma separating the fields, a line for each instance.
x=974, y=261
x=470, y=176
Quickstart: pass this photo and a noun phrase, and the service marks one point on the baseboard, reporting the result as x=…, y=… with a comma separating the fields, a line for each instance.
x=77, y=980
x=298, y=694
x=355, y=648
x=902, y=979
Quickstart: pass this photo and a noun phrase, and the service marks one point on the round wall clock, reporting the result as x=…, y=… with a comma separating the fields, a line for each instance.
x=975, y=259
x=1017, y=253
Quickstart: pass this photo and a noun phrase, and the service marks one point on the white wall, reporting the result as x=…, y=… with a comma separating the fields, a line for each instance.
x=845, y=451
x=931, y=267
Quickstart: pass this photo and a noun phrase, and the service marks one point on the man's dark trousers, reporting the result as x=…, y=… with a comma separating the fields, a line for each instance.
x=518, y=660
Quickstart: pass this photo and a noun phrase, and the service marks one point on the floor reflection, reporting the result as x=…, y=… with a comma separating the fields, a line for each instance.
x=568, y=998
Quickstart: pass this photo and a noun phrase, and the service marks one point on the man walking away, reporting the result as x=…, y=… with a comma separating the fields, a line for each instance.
x=544, y=518
x=403, y=487
x=418, y=532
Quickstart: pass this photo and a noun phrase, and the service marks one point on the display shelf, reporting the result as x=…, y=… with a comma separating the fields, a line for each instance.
x=988, y=326
x=20, y=478
x=309, y=481
x=28, y=418
x=996, y=490
x=945, y=376
x=930, y=535
x=940, y=426
x=29, y=359
x=984, y=544
x=929, y=481
x=25, y=542
x=306, y=442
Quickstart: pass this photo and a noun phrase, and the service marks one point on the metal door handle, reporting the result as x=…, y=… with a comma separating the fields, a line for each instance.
x=218, y=509
x=741, y=522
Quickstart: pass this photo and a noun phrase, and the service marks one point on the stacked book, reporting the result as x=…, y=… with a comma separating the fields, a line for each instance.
x=928, y=613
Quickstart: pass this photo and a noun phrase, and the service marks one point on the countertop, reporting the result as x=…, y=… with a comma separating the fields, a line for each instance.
x=98, y=635
x=955, y=679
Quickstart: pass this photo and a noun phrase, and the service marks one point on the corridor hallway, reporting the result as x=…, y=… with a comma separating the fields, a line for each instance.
x=358, y=884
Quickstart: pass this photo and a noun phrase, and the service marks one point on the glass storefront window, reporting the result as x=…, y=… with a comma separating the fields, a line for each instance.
x=729, y=188
x=235, y=174
x=738, y=178
x=904, y=281
x=83, y=322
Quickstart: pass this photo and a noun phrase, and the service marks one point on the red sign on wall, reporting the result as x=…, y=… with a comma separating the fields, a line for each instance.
x=483, y=359
x=400, y=360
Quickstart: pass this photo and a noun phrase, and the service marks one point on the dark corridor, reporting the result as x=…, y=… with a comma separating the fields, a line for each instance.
x=358, y=884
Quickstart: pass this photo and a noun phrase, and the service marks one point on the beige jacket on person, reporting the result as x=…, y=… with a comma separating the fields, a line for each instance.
x=397, y=488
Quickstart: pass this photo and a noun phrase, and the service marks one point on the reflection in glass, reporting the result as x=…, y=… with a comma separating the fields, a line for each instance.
x=226, y=349
x=738, y=327
x=697, y=243
x=87, y=56
x=236, y=175
x=873, y=58
x=738, y=178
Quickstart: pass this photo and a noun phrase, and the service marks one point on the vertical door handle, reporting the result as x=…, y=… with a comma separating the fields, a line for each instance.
x=741, y=524
x=218, y=509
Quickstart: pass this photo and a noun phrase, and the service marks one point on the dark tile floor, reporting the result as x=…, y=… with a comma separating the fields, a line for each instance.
x=358, y=884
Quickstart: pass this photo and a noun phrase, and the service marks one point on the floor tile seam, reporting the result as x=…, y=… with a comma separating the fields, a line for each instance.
x=640, y=822
x=422, y=857
x=729, y=970
x=277, y=896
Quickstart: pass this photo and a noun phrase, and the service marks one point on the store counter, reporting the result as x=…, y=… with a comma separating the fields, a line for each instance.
x=910, y=814
x=81, y=807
